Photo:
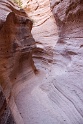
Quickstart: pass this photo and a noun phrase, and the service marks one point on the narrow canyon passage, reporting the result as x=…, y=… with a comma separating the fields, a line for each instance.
x=41, y=62
x=54, y=95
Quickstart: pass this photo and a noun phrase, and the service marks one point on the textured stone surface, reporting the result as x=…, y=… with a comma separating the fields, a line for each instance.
x=57, y=98
x=16, y=46
x=44, y=26
x=16, y=42
x=53, y=95
x=69, y=16
x=5, y=113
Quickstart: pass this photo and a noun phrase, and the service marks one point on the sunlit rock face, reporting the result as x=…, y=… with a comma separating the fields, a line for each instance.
x=45, y=29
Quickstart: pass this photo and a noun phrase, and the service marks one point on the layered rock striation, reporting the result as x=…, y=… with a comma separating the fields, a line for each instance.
x=69, y=18
x=44, y=26
x=16, y=42
x=58, y=95
x=42, y=84
x=69, y=55
x=68, y=14
x=16, y=47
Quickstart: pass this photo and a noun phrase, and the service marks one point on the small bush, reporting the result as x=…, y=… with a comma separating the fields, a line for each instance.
x=18, y=2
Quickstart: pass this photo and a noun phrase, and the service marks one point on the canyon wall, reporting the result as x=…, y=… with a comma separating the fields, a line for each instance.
x=44, y=26
x=57, y=98
x=68, y=15
x=5, y=112
x=16, y=46
x=41, y=80
x=69, y=54
x=69, y=18
x=44, y=30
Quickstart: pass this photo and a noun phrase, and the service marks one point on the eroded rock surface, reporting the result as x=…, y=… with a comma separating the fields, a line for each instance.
x=16, y=47
x=57, y=98
x=44, y=26
x=53, y=95
x=5, y=113
x=16, y=42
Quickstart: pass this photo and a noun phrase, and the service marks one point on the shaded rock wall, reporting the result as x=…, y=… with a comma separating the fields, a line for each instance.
x=16, y=43
x=69, y=15
x=58, y=97
x=16, y=47
x=44, y=30
x=69, y=18
x=5, y=113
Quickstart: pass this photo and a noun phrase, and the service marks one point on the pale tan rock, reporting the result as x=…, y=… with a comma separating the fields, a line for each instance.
x=45, y=29
x=57, y=98
x=54, y=94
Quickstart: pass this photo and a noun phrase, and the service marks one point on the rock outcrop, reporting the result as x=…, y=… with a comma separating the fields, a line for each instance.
x=5, y=113
x=44, y=26
x=44, y=30
x=16, y=43
x=69, y=55
x=68, y=15
x=69, y=18
x=16, y=47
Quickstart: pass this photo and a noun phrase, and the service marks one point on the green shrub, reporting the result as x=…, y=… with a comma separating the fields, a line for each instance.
x=18, y=2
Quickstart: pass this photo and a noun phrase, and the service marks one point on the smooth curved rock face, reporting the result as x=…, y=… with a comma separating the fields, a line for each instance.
x=69, y=18
x=16, y=43
x=68, y=15
x=57, y=98
x=16, y=47
x=44, y=26
x=69, y=53
x=55, y=94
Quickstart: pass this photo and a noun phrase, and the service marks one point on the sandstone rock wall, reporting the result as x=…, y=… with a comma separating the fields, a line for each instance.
x=68, y=15
x=58, y=97
x=16, y=47
x=69, y=18
x=5, y=113
x=69, y=51
x=16, y=43
x=58, y=87
x=44, y=26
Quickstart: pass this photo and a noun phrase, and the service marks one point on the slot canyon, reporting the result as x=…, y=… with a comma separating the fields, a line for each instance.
x=41, y=62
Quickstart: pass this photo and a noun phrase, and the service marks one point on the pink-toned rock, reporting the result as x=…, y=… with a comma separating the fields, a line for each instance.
x=16, y=47
x=16, y=42
x=57, y=98
x=54, y=94
x=44, y=26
